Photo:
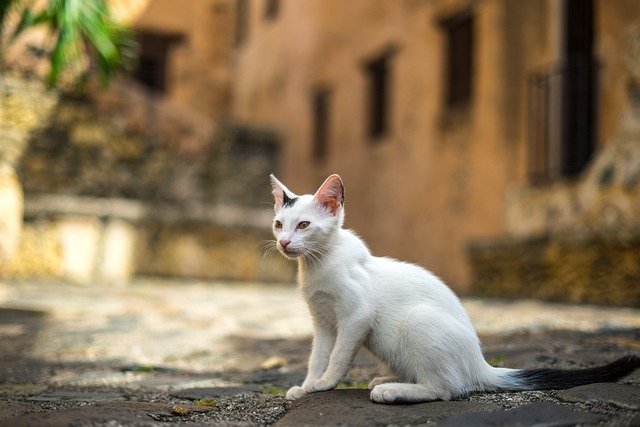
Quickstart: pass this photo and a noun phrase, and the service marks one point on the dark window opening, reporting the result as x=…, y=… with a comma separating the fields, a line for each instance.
x=459, y=59
x=378, y=96
x=321, y=112
x=154, y=49
x=271, y=10
x=578, y=86
x=563, y=116
x=242, y=21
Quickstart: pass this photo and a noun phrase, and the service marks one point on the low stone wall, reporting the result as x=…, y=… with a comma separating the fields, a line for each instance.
x=98, y=240
x=207, y=251
x=119, y=182
x=597, y=268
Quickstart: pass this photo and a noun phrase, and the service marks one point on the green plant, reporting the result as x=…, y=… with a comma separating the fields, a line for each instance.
x=349, y=385
x=205, y=402
x=497, y=360
x=81, y=30
x=271, y=390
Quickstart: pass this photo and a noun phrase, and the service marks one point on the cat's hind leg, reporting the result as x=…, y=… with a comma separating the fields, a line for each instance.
x=406, y=393
x=382, y=380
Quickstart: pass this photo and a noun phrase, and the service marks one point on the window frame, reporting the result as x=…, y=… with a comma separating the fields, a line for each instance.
x=459, y=55
x=321, y=122
x=379, y=79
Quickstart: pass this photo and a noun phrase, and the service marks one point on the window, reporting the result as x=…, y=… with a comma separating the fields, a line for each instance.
x=154, y=48
x=242, y=21
x=459, y=59
x=377, y=72
x=579, y=87
x=272, y=7
x=321, y=112
x=563, y=104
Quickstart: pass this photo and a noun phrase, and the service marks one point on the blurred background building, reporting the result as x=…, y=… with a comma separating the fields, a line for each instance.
x=496, y=142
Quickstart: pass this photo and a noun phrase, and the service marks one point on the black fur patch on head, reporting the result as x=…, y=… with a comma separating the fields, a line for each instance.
x=288, y=202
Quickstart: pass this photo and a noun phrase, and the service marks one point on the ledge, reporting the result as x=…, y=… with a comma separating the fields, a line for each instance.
x=48, y=205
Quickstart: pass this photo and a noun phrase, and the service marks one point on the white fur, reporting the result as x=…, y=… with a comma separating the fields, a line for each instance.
x=401, y=312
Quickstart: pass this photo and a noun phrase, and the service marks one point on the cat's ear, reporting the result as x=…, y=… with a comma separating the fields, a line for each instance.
x=282, y=195
x=330, y=195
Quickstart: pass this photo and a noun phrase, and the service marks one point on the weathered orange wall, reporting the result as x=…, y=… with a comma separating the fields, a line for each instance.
x=439, y=178
x=199, y=67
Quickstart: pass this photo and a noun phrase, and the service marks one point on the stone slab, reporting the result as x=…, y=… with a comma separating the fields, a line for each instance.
x=92, y=415
x=162, y=408
x=621, y=395
x=539, y=413
x=353, y=407
x=214, y=392
x=13, y=409
x=21, y=389
x=77, y=396
x=278, y=379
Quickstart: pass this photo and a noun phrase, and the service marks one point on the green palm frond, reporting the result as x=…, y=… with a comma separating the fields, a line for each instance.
x=81, y=28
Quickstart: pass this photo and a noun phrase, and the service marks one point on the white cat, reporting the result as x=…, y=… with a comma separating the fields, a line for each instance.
x=402, y=313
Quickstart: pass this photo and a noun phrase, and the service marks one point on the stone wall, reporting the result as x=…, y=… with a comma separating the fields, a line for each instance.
x=125, y=143
x=578, y=240
x=572, y=241
x=606, y=196
x=596, y=268
x=208, y=251
x=120, y=183
x=99, y=240
x=24, y=106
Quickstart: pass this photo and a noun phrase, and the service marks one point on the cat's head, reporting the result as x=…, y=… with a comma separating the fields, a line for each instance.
x=303, y=225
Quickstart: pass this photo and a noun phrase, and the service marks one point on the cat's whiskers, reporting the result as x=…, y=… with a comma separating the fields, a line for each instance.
x=316, y=253
x=267, y=247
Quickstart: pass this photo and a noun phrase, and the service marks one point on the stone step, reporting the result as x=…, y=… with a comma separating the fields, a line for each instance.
x=598, y=268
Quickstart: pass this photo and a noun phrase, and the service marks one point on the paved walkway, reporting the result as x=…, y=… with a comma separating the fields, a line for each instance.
x=173, y=352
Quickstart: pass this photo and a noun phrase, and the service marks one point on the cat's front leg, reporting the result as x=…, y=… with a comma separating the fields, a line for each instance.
x=323, y=341
x=351, y=334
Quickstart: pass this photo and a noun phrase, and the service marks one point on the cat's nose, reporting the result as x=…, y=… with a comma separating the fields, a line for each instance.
x=285, y=243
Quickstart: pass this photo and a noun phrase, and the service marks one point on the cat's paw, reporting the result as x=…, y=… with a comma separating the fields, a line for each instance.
x=383, y=394
x=295, y=392
x=319, y=385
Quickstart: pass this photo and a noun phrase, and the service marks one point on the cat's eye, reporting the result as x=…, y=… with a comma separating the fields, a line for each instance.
x=277, y=224
x=303, y=225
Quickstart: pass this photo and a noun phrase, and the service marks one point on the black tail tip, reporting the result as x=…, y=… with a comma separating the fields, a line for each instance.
x=544, y=378
x=628, y=363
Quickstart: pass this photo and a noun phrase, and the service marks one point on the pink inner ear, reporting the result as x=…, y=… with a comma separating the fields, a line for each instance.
x=278, y=197
x=330, y=202
x=331, y=194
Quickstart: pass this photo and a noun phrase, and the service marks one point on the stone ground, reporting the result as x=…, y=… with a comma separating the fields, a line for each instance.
x=161, y=353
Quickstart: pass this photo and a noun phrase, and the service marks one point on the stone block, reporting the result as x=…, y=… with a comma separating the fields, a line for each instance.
x=116, y=263
x=39, y=253
x=622, y=395
x=207, y=251
x=598, y=268
x=540, y=413
x=80, y=238
x=353, y=407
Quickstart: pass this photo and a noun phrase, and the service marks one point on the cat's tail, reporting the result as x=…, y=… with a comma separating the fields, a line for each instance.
x=546, y=379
